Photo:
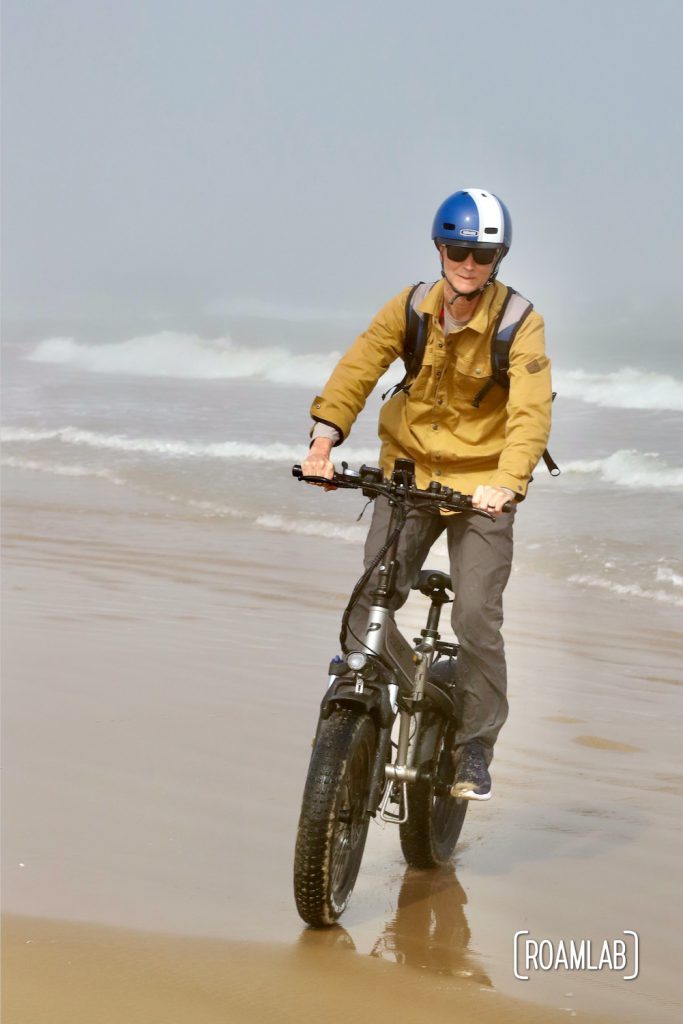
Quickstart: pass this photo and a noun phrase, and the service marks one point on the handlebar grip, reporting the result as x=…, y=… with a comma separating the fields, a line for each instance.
x=509, y=506
x=327, y=481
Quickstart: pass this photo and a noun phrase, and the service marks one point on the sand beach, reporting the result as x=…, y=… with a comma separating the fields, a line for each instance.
x=162, y=670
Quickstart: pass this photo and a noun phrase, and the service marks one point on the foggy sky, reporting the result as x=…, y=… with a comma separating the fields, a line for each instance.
x=160, y=154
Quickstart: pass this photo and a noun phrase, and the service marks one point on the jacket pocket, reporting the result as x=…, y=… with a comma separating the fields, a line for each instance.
x=470, y=377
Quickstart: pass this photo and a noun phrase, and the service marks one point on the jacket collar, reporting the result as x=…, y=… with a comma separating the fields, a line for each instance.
x=433, y=303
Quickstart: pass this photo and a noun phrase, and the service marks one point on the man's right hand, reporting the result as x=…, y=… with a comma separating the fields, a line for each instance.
x=317, y=462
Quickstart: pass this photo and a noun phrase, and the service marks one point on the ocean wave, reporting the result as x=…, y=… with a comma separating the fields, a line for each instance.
x=629, y=468
x=183, y=355
x=627, y=589
x=275, y=452
x=626, y=388
x=59, y=469
x=209, y=508
x=313, y=528
x=190, y=357
x=625, y=468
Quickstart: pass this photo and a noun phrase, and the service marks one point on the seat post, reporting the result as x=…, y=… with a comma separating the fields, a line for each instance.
x=435, y=586
x=432, y=627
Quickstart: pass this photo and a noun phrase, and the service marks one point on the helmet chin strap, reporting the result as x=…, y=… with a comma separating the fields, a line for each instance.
x=470, y=296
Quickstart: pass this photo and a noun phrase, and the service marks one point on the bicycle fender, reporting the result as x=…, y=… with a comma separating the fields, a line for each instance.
x=374, y=700
x=442, y=699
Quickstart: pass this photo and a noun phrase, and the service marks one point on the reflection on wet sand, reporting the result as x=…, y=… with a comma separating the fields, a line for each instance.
x=429, y=929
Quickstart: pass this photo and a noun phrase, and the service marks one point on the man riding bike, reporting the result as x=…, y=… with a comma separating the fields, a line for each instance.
x=464, y=428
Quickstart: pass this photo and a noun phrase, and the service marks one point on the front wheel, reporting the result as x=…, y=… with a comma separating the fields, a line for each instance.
x=334, y=820
x=435, y=818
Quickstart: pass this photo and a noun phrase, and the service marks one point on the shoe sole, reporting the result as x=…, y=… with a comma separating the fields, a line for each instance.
x=463, y=792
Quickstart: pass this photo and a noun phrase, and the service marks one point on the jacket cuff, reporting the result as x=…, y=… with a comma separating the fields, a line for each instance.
x=503, y=479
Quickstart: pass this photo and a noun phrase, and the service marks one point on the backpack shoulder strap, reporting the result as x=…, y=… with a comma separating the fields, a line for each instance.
x=415, y=338
x=513, y=313
x=416, y=328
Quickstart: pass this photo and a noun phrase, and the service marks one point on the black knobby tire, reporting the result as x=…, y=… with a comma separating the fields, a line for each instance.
x=435, y=818
x=333, y=825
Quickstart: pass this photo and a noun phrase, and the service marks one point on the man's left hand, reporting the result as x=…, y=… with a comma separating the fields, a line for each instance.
x=491, y=499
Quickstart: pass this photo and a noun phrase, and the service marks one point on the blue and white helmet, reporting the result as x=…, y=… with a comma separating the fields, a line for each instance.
x=474, y=218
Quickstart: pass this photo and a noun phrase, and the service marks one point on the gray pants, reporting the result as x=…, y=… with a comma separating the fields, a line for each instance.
x=480, y=554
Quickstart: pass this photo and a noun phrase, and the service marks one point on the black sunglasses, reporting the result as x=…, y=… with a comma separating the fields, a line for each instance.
x=483, y=257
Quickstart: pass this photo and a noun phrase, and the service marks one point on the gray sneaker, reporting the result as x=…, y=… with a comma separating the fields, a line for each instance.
x=472, y=779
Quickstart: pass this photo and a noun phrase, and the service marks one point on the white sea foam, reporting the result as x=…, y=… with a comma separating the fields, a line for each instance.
x=276, y=452
x=667, y=575
x=313, y=528
x=188, y=356
x=629, y=468
x=627, y=589
x=626, y=388
x=625, y=468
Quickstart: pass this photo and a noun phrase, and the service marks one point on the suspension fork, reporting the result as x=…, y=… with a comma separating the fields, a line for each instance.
x=404, y=768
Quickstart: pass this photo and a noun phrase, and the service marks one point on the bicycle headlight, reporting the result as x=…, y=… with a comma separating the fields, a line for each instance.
x=357, y=661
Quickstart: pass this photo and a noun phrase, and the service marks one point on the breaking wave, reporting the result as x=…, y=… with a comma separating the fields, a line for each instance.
x=190, y=357
x=625, y=468
x=629, y=468
x=276, y=452
x=626, y=388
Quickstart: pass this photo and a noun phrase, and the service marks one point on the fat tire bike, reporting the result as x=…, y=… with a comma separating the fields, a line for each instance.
x=357, y=770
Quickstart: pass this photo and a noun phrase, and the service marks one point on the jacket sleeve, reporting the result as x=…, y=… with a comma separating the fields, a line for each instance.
x=357, y=372
x=528, y=408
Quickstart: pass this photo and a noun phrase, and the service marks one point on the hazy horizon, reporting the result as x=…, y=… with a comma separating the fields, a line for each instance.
x=172, y=163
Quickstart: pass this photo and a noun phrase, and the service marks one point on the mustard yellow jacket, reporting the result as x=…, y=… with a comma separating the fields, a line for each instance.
x=435, y=423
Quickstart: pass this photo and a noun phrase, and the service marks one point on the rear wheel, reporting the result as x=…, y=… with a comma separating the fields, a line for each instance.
x=333, y=825
x=435, y=818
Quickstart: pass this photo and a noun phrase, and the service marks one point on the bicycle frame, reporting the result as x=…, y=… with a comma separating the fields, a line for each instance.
x=401, y=671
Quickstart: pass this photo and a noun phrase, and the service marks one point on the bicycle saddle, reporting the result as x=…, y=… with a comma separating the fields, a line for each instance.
x=431, y=581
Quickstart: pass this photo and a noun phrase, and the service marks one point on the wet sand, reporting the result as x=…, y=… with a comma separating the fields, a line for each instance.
x=161, y=678
x=77, y=974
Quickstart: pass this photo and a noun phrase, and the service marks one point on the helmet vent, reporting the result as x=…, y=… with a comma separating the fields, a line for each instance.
x=490, y=231
x=449, y=227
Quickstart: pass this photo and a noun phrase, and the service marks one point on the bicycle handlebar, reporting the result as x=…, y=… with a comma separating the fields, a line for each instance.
x=401, y=487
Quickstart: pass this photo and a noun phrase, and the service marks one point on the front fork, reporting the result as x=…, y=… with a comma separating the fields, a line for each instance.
x=404, y=770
